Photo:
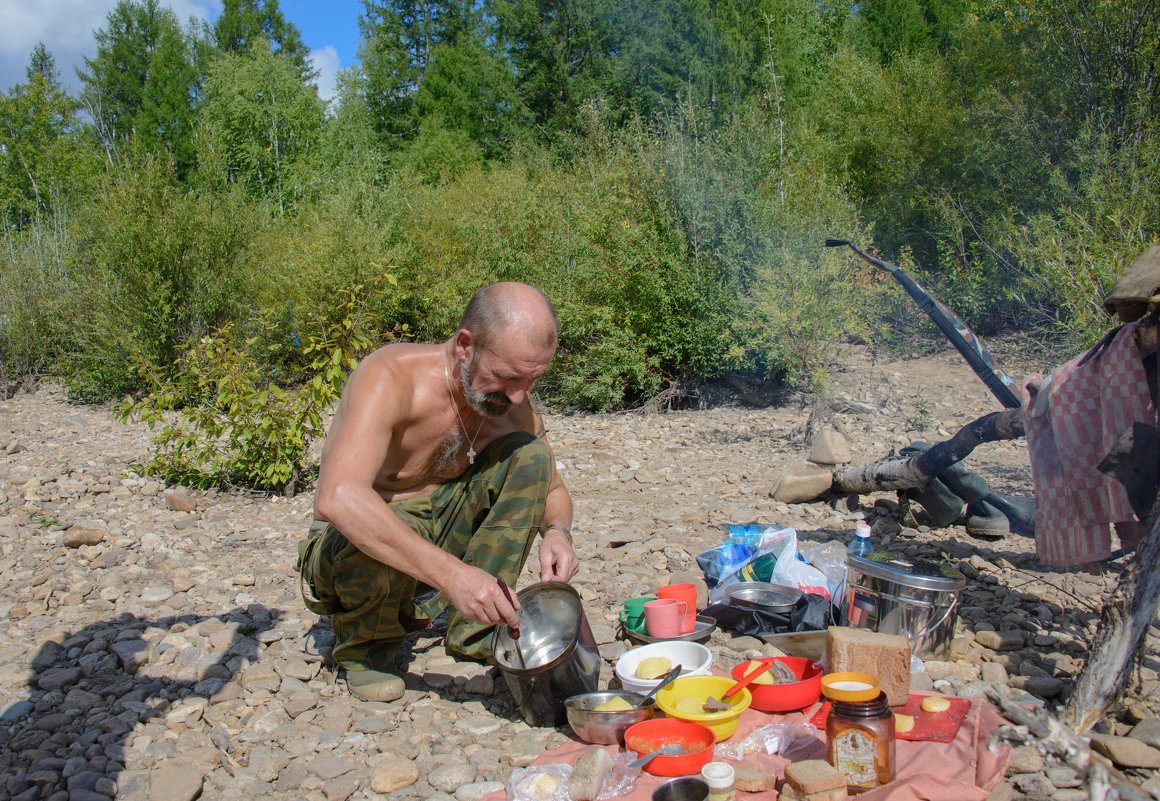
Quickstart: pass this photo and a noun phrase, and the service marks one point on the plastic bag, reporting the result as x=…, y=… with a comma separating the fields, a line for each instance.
x=723, y=559
x=830, y=559
x=547, y=782
x=772, y=738
x=774, y=541
x=790, y=571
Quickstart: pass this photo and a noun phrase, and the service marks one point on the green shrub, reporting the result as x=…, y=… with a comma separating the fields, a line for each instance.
x=223, y=422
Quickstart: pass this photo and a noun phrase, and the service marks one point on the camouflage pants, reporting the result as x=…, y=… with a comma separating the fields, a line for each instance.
x=488, y=517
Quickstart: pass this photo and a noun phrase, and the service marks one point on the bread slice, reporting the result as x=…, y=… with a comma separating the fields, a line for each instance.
x=789, y=793
x=886, y=656
x=813, y=776
x=749, y=778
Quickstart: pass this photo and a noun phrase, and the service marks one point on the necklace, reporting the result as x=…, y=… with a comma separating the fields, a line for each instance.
x=471, y=444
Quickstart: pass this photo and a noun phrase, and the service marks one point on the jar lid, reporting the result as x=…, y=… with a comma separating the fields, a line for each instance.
x=920, y=574
x=718, y=775
x=850, y=686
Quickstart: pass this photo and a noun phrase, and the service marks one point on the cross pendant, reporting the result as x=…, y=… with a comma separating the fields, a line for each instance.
x=471, y=456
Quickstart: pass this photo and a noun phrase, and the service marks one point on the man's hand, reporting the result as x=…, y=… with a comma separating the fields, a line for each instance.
x=477, y=595
x=558, y=562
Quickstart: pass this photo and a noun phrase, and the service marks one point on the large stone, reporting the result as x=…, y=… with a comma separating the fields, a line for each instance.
x=1127, y=752
x=830, y=447
x=800, y=482
x=451, y=776
x=392, y=774
x=327, y=767
x=175, y=782
x=180, y=501
x=1147, y=731
x=76, y=536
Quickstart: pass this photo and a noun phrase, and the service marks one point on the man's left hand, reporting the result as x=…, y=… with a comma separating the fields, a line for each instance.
x=558, y=562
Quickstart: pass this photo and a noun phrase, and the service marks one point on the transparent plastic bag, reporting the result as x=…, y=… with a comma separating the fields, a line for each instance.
x=773, y=543
x=772, y=738
x=830, y=559
x=548, y=782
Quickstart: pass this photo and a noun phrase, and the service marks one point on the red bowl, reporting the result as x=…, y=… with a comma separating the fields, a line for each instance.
x=649, y=735
x=785, y=697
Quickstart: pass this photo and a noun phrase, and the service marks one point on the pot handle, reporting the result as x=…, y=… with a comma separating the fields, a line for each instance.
x=931, y=627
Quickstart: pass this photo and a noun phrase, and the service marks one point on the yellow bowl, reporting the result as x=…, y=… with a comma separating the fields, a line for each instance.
x=724, y=723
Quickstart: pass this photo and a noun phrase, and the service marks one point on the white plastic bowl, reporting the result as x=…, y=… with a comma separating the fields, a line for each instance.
x=695, y=660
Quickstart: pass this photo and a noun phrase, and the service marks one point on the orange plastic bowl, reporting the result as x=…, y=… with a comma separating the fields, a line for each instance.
x=785, y=697
x=649, y=735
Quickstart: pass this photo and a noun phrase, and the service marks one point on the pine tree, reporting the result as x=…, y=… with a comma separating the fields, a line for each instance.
x=242, y=22
x=43, y=64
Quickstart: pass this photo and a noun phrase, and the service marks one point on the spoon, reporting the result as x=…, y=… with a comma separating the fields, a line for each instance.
x=513, y=631
x=719, y=704
x=672, y=674
x=672, y=749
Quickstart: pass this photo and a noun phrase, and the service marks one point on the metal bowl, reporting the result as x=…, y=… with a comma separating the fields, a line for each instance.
x=763, y=596
x=605, y=728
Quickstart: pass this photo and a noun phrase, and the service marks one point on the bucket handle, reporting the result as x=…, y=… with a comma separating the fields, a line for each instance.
x=931, y=627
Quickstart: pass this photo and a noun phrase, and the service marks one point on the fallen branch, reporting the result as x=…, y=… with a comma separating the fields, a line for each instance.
x=918, y=470
x=1044, y=732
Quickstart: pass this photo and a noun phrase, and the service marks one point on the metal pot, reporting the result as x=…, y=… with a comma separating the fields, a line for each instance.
x=916, y=598
x=560, y=658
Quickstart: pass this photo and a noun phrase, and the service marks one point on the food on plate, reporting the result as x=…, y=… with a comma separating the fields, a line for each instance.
x=903, y=723
x=589, y=774
x=653, y=667
x=935, y=703
x=616, y=704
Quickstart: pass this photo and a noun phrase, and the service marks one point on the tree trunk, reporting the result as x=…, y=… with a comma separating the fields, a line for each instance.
x=917, y=470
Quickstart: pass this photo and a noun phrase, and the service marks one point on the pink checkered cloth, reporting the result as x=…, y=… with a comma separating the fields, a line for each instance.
x=1086, y=408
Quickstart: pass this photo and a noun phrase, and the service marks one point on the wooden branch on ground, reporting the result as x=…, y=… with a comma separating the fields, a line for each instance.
x=917, y=470
x=1041, y=730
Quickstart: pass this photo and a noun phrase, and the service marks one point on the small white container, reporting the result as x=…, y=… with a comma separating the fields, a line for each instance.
x=695, y=660
x=719, y=777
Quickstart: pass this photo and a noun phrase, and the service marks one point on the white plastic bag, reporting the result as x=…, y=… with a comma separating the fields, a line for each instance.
x=793, y=572
x=547, y=782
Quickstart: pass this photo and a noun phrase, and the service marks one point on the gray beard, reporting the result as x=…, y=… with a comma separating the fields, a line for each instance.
x=450, y=449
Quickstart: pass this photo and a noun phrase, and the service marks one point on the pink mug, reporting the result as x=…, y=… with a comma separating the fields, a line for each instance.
x=686, y=594
x=662, y=617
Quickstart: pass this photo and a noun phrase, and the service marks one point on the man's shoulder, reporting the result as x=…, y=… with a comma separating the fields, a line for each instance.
x=399, y=368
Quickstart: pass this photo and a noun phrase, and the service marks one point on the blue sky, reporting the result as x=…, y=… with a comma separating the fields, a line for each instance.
x=329, y=28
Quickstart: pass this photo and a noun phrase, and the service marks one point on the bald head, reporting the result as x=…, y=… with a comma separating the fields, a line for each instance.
x=508, y=309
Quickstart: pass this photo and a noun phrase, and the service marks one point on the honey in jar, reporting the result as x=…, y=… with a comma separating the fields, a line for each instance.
x=859, y=730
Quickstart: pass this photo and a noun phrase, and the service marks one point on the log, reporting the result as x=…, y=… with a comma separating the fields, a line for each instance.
x=918, y=470
x=1041, y=730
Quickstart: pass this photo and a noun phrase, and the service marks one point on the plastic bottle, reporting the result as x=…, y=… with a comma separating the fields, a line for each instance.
x=860, y=545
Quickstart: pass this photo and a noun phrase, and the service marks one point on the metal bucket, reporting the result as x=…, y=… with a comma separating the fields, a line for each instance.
x=917, y=598
x=559, y=653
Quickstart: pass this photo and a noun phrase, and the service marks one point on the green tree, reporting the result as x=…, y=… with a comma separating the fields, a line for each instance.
x=263, y=118
x=143, y=82
x=243, y=22
x=43, y=64
x=905, y=27
x=42, y=152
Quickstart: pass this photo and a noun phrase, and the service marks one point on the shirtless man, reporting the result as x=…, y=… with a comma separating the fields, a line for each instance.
x=436, y=474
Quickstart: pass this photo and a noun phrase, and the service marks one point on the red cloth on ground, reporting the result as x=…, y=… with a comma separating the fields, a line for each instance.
x=961, y=770
x=1086, y=409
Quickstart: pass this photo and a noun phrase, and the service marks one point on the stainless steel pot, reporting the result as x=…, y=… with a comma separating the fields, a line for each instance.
x=895, y=595
x=560, y=658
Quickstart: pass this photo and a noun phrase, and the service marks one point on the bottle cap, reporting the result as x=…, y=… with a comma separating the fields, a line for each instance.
x=862, y=530
x=718, y=775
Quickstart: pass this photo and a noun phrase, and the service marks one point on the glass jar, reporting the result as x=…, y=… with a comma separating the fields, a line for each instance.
x=860, y=741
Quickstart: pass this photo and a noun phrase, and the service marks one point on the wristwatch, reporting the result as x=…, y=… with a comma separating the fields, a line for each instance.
x=566, y=531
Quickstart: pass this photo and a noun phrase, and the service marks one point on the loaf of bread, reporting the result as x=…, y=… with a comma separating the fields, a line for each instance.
x=885, y=656
x=813, y=776
x=588, y=775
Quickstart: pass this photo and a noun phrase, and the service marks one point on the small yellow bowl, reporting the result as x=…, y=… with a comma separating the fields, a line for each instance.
x=723, y=724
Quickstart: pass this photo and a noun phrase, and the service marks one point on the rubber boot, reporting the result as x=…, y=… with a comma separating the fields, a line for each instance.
x=1020, y=512
x=985, y=521
x=374, y=685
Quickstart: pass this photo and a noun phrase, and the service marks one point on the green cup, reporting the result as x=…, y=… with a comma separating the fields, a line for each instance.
x=632, y=613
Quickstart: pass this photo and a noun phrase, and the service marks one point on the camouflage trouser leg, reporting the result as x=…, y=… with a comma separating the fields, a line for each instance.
x=488, y=517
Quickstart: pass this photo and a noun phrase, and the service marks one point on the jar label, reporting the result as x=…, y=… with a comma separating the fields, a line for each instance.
x=854, y=755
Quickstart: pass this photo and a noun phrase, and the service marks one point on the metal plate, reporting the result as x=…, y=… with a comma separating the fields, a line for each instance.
x=704, y=627
x=762, y=596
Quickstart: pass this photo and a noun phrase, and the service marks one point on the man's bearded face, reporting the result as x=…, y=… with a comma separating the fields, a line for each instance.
x=488, y=404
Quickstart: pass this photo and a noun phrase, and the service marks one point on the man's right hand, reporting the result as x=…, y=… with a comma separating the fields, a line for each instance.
x=478, y=596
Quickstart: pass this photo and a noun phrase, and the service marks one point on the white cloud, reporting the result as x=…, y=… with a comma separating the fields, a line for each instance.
x=66, y=28
x=327, y=63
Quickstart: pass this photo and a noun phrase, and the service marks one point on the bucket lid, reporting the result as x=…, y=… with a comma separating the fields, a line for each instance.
x=919, y=573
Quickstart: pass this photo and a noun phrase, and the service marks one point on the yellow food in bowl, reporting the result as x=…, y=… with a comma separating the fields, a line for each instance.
x=617, y=704
x=935, y=703
x=903, y=723
x=750, y=666
x=690, y=705
x=654, y=667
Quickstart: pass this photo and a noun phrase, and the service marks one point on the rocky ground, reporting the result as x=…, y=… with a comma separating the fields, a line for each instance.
x=153, y=645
